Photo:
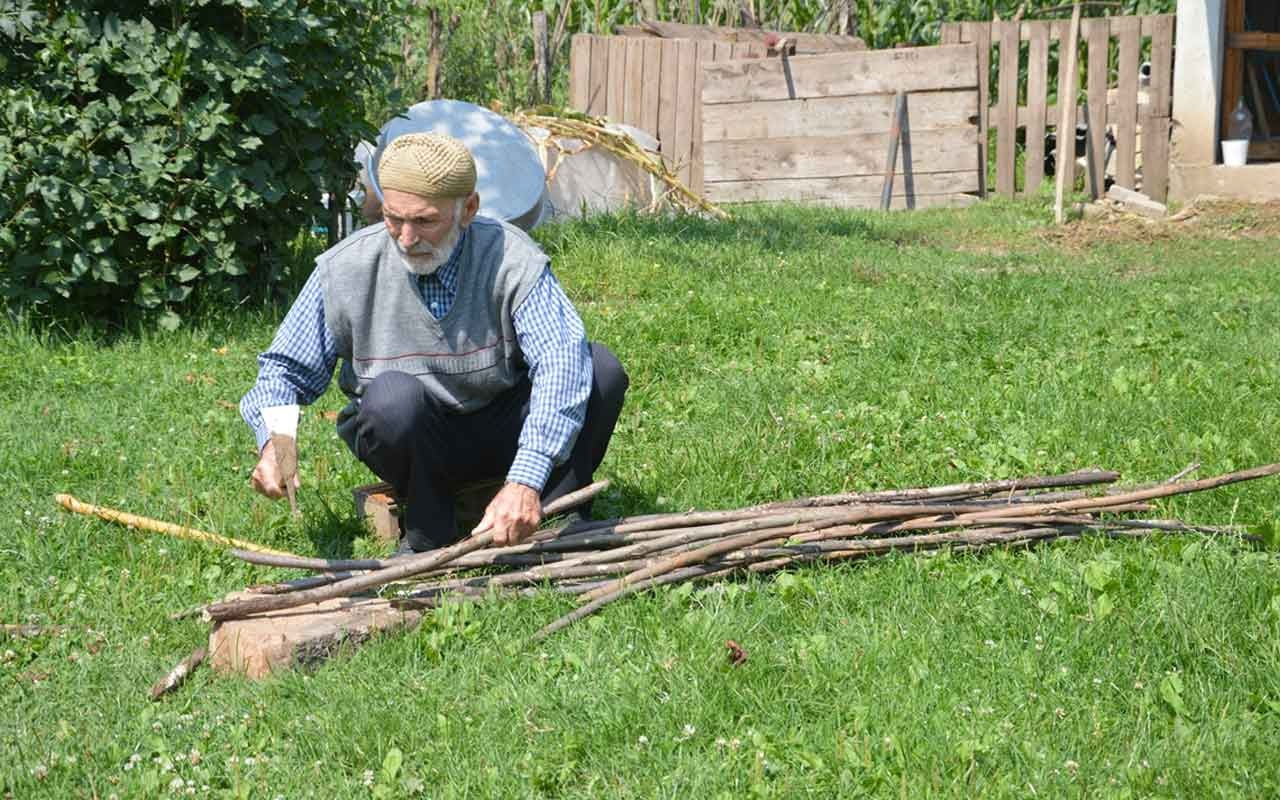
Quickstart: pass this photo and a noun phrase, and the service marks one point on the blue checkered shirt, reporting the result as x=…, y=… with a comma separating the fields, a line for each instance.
x=299, y=364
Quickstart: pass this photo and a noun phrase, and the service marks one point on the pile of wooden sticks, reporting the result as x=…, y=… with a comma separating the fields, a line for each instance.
x=599, y=562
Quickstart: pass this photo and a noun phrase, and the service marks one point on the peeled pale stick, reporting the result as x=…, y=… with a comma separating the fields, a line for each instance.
x=286, y=448
x=282, y=424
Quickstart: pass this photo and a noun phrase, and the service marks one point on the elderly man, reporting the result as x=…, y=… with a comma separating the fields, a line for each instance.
x=461, y=355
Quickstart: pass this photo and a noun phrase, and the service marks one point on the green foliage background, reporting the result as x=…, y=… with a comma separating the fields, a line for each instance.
x=152, y=152
x=158, y=155
x=489, y=56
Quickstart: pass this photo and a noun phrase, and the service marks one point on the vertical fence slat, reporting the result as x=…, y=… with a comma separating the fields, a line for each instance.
x=616, y=103
x=598, y=94
x=580, y=71
x=1155, y=127
x=1007, y=111
x=1098, y=35
x=633, y=101
x=649, y=93
x=688, y=106
x=1037, y=99
x=950, y=33
x=980, y=34
x=705, y=56
x=1128, y=30
x=668, y=98
x=1064, y=176
x=1065, y=147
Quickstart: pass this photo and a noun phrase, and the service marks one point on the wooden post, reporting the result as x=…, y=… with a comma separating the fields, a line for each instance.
x=542, y=64
x=1037, y=99
x=891, y=161
x=1128, y=31
x=1098, y=34
x=1007, y=108
x=1066, y=159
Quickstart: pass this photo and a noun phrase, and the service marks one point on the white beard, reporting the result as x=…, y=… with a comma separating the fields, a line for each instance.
x=423, y=259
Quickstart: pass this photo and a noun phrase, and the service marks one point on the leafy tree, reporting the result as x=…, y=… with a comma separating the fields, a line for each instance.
x=154, y=152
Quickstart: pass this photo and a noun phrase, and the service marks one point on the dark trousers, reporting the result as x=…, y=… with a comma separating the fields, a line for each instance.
x=427, y=452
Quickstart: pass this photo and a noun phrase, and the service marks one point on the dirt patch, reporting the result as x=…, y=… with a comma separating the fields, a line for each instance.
x=1202, y=219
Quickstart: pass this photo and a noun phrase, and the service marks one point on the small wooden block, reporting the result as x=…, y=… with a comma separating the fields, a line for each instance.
x=378, y=505
x=305, y=636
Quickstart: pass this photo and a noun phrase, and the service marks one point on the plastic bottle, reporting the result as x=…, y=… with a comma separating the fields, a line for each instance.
x=1240, y=122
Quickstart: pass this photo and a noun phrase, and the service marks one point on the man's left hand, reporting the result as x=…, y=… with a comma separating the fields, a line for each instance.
x=514, y=513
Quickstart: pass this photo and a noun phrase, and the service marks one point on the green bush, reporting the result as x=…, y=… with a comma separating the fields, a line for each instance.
x=152, y=153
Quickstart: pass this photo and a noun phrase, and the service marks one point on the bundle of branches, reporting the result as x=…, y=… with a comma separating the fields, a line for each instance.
x=594, y=132
x=600, y=562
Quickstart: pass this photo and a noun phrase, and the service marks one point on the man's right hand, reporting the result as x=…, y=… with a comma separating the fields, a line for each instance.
x=266, y=475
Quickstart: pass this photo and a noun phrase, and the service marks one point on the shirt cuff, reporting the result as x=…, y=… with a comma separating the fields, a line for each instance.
x=261, y=436
x=530, y=469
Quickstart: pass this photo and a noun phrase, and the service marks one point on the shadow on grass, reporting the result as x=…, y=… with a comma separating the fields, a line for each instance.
x=332, y=533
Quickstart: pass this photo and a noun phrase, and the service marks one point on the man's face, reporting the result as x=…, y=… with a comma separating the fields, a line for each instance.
x=425, y=230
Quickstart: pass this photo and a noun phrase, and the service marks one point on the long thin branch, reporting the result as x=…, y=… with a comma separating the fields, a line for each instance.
x=407, y=567
x=159, y=526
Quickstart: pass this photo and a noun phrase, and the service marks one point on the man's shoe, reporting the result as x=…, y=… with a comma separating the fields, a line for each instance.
x=403, y=548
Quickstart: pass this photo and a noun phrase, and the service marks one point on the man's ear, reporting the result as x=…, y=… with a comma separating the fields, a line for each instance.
x=469, y=209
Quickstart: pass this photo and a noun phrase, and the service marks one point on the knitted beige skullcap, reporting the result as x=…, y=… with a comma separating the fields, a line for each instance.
x=428, y=164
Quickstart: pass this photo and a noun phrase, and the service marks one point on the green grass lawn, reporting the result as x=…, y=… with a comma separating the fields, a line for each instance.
x=791, y=352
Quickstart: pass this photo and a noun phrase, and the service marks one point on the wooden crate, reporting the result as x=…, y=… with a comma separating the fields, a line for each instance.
x=816, y=128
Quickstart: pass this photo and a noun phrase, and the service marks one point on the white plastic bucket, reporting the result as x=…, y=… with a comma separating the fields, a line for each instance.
x=1235, y=152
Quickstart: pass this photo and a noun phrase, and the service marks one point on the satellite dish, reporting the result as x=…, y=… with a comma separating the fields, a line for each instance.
x=509, y=174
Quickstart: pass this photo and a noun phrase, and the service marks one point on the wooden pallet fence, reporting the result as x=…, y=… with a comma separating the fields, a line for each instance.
x=653, y=84
x=1138, y=116
x=816, y=128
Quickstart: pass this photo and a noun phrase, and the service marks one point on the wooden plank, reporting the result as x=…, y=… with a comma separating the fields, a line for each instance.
x=1156, y=124
x=1007, y=118
x=802, y=190
x=649, y=93
x=948, y=150
x=891, y=160
x=950, y=33
x=695, y=142
x=835, y=116
x=598, y=94
x=980, y=34
x=1066, y=161
x=1037, y=101
x=1097, y=33
x=1232, y=66
x=871, y=72
x=668, y=98
x=721, y=51
x=686, y=110
x=616, y=101
x=580, y=71
x=633, y=91
x=1264, y=151
x=1254, y=40
x=897, y=203
x=1127, y=30
x=804, y=42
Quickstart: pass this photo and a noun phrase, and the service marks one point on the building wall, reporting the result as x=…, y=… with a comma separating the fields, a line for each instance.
x=1197, y=81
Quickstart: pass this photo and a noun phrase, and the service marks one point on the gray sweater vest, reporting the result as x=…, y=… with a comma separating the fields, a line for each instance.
x=380, y=322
